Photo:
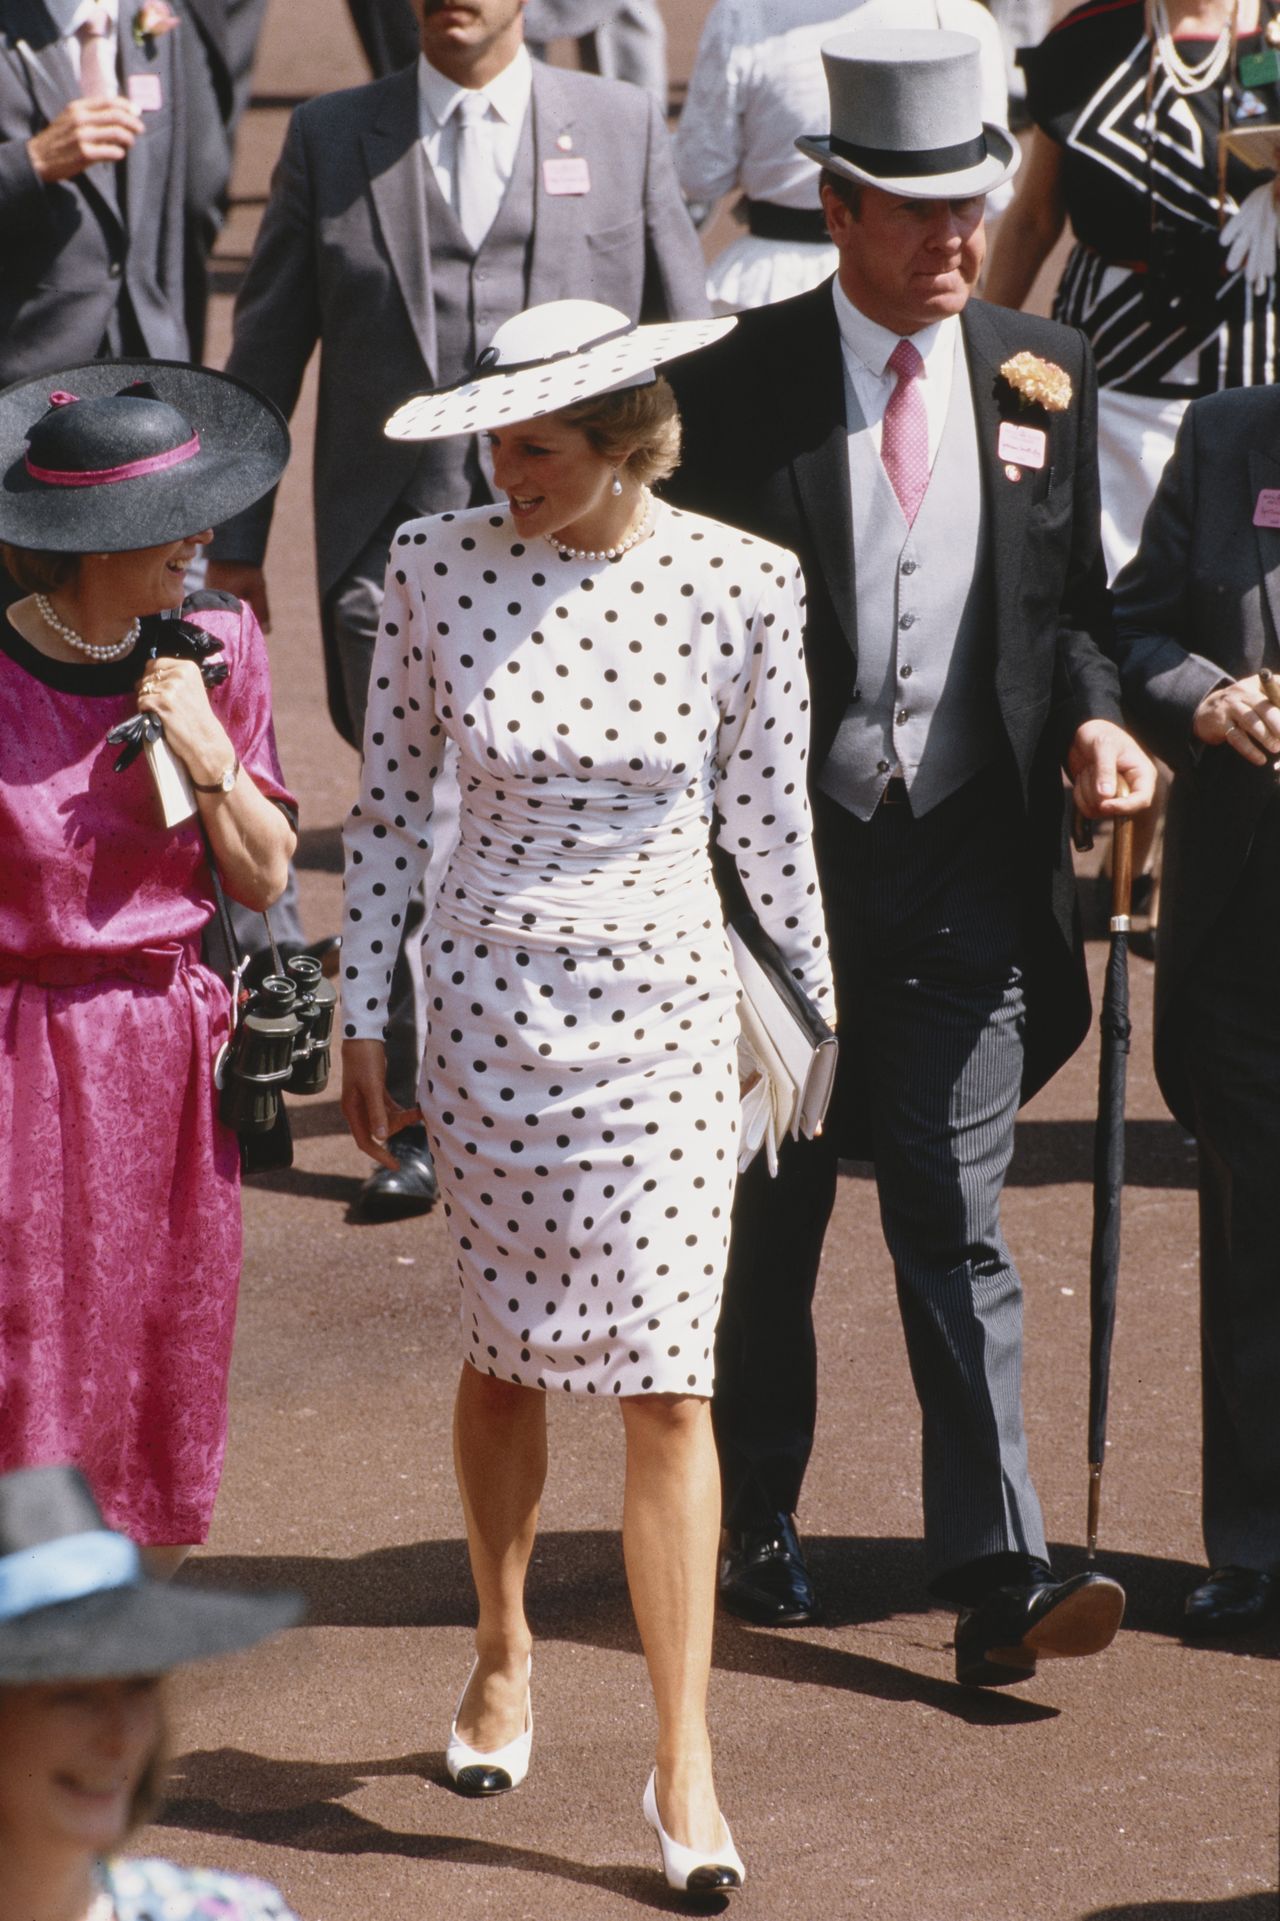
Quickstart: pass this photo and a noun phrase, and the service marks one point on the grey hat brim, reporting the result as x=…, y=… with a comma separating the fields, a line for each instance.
x=144, y=1629
x=1004, y=157
x=244, y=449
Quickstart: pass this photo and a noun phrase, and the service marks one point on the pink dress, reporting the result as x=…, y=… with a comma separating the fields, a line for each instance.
x=119, y=1187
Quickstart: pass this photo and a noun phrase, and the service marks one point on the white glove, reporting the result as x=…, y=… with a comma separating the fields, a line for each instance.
x=760, y=1123
x=1252, y=238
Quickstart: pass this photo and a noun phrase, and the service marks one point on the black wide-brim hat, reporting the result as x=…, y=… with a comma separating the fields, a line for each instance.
x=77, y=1605
x=121, y=454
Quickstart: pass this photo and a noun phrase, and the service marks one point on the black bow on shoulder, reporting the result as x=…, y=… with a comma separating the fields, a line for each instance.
x=166, y=638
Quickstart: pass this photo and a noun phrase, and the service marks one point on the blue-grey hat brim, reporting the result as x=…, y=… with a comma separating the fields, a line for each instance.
x=244, y=449
x=143, y=1629
x=1003, y=158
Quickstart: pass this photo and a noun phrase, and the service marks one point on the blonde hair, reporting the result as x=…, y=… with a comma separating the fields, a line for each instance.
x=637, y=428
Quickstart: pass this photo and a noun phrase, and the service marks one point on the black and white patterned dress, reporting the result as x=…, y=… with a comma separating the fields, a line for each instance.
x=579, y=1079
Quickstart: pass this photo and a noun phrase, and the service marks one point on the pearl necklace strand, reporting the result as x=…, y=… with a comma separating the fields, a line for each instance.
x=113, y=650
x=624, y=546
x=1182, y=76
x=103, y=1909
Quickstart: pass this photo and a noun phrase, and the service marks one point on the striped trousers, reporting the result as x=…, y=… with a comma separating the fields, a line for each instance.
x=926, y=919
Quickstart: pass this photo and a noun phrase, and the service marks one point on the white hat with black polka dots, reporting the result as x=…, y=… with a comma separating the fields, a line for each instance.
x=546, y=358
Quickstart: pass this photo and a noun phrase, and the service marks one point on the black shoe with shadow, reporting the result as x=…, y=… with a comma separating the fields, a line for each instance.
x=396, y=1194
x=1232, y=1600
x=763, y=1577
x=1000, y=1639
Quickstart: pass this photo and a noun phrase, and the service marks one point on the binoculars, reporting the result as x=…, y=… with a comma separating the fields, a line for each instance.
x=281, y=1043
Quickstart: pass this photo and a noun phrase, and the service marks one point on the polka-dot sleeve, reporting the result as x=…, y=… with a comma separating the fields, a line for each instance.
x=761, y=801
x=387, y=837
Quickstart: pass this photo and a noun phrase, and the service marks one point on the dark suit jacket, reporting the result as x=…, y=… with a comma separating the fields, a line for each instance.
x=766, y=449
x=344, y=258
x=1200, y=604
x=65, y=248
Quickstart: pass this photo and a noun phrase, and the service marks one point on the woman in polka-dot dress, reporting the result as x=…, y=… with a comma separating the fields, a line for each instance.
x=614, y=673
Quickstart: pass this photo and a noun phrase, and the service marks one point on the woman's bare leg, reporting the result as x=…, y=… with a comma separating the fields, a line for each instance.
x=162, y=1563
x=500, y=1453
x=670, y=1537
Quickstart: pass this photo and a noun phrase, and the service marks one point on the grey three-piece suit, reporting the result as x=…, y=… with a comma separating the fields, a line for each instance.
x=94, y=263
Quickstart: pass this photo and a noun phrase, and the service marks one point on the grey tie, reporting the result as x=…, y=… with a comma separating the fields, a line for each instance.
x=473, y=177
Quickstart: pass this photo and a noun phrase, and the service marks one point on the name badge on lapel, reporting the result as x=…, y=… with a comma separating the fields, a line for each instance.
x=1021, y=446
x=568, y=173
x=1266, y=512
x=145, y=92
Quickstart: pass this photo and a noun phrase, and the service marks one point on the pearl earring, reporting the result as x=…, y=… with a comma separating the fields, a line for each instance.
x=615, y=487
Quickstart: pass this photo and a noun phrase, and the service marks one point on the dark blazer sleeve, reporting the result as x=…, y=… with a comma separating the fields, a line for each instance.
x=675, y=280
x=1085, y=681
x=277, y=318
x=1163, y=680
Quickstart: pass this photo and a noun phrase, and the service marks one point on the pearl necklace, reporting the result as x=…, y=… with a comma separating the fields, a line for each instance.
x=624, y=546
x=113, y=650
x=1182, y=76
x=103, y=1909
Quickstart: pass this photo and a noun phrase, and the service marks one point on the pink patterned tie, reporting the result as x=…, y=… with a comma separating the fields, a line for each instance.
x=904, y=432
x=95, y=84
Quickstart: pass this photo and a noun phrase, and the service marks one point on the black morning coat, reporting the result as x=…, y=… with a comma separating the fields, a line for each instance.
x=765, y=448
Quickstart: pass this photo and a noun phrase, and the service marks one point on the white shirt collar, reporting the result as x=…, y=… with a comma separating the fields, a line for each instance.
x=507, y=93
x=872, y=344
x=67, y=13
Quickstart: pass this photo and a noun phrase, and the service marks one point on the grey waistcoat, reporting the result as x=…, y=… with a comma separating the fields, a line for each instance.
x=925, y=703
x=473, y=293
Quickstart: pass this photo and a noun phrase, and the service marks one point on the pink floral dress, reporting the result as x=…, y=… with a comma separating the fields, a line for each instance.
x=119, y=1187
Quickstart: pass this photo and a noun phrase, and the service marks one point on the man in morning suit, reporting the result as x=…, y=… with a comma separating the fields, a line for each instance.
x=92, y=159
x=947, y=523
x=408, y=219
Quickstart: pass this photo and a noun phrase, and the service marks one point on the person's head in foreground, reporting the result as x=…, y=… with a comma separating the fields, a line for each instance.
x=85, y=1642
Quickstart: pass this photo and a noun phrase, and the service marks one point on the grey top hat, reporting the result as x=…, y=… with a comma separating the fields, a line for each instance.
x=76, y=1603
x=906, y=116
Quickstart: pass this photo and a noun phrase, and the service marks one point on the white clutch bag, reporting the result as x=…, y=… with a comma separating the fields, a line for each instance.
x=789, y=1040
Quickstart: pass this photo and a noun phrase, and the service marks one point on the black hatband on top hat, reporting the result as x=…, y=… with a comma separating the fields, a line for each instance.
x=76, y=1602
x=121, y=454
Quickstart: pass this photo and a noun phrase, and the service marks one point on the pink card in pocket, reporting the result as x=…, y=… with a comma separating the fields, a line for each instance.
x=1266, y=512
x=567, y=174
x=145, y=93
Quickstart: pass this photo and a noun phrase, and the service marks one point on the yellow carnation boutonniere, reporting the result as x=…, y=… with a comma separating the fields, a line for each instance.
x=152, y=21
x=1038, y=383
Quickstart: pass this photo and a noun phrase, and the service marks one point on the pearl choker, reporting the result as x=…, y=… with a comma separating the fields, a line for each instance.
x=113, y=650
x=624, y=546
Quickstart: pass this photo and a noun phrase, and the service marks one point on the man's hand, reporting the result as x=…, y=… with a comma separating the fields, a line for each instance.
x=1101, y=754
x=370, y=1112
x=1242, y=717
x=246, y=582
x=84, y=133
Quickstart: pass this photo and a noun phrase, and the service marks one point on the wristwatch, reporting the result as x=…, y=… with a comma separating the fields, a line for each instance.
x=224, y=783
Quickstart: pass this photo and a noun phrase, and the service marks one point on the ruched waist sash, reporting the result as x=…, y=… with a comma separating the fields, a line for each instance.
x=147, y=966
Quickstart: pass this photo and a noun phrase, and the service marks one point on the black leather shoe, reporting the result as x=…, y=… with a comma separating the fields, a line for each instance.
x=763, y=1577
x=394, y=1194
x=999, y=1641
x=1233, y=1600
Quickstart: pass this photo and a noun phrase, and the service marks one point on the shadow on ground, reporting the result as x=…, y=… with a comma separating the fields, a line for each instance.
x=1233, y=1907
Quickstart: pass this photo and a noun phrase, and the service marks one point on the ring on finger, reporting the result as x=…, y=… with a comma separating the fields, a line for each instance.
x=1233, y=729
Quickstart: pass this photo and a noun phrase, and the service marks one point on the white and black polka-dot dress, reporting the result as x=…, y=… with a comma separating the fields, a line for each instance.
x=579, y=1079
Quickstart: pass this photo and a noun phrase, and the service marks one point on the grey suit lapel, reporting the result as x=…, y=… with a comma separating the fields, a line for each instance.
x=396, y=166
x=1264, y=471
x=557, y=218
x=55, y=83
x=51, y=76
x=821, y=467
